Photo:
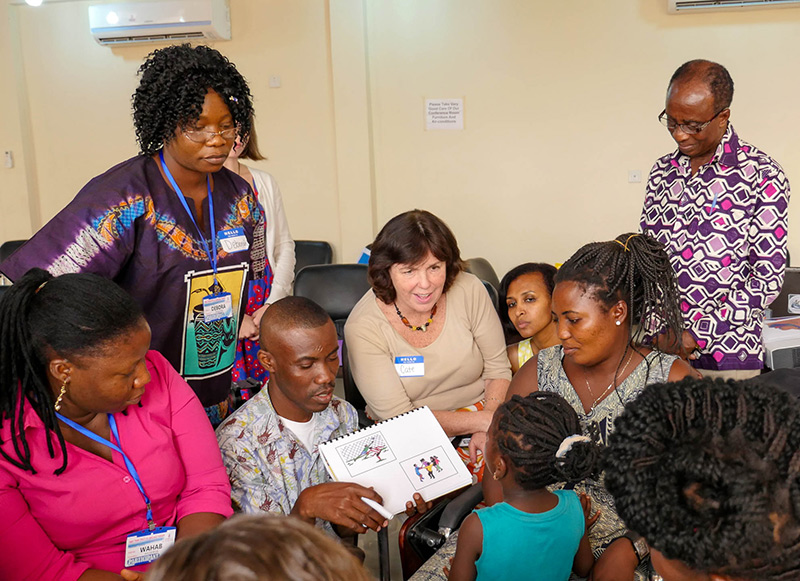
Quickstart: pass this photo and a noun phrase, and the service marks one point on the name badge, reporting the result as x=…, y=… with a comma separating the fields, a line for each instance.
x=233, y=240
x=217, y=307
x=147, y=546
x=410, y=366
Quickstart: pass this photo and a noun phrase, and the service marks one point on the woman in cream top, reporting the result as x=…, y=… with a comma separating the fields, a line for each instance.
x=427, y=333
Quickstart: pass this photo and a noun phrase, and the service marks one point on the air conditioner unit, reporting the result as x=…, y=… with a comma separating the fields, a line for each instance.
x=689, y=6
x=164, y=21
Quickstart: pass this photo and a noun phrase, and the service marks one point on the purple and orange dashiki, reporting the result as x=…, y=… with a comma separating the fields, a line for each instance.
x=725, y=232
x=128, y=225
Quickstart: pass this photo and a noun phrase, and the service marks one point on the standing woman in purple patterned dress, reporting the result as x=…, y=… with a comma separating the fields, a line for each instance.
x=173, y=228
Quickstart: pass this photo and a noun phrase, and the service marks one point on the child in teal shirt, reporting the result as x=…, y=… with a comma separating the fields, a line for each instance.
x=534, y=534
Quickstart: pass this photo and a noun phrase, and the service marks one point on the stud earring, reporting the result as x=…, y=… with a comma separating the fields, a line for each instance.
x=61, y=395
x=617, y=323
x=494, y=476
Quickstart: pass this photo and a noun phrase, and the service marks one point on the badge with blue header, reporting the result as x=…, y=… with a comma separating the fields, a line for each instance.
x=233, y=240
x=410, y=365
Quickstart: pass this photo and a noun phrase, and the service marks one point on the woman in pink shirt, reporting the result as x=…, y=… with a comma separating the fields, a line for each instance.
x=103, y=445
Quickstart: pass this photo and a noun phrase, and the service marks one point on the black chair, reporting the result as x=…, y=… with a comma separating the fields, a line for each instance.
x=481, y=268
x=308, y=252
x=9, y=247
x=422, y=535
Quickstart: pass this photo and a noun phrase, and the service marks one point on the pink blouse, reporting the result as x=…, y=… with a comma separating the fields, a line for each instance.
x=57, y=527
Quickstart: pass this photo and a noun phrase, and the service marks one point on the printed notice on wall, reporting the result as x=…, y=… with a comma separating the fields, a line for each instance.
x=444, y=114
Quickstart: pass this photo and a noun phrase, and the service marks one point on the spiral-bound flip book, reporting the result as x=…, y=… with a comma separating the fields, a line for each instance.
x=400, y=456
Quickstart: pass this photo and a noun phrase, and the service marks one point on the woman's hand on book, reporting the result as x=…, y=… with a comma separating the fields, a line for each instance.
x=340, y=503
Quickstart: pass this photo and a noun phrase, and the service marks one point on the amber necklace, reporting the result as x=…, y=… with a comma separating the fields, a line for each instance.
x=610, y=386
x=422, y=328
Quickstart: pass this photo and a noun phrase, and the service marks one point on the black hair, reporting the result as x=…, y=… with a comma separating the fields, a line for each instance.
x=41, y=317
x=633, y=268
x=290, y=313
x=548, y=272
x=716, y=76
x=709, y=473
x=530, y=431
x=175, y=81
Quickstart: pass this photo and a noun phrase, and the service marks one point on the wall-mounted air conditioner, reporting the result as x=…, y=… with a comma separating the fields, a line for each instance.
x=689, y=6
x=163, y=21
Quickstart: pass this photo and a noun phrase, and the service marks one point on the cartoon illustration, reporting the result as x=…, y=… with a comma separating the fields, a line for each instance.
x=371, y=449
x=428, y=466
x=435, y=462
x=419, y=473
x=365, y=453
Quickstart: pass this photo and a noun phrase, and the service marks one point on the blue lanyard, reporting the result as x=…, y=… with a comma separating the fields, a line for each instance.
x=212, y=254
x=129, y=465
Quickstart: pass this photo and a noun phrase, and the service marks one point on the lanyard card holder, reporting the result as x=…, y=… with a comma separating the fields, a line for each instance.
x=146, y=546
x=218, y=306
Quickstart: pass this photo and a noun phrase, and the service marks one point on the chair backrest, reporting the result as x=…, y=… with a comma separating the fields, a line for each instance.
x=481, y=268
x=308, y=252
x=493, y=296
x=9, y=247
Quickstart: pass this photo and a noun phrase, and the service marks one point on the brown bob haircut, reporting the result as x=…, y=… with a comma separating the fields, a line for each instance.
x=407, y=239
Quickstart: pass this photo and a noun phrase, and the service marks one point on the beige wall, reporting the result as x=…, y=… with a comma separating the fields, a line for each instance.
x=560, y=102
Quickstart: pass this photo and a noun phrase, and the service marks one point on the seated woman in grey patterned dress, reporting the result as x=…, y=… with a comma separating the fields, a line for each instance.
x=609, y=297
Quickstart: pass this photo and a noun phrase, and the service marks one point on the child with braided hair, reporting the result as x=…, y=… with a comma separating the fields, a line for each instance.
x=533, y=442
x=709, y=474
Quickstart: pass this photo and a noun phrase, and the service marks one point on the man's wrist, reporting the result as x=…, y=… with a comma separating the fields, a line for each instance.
x=300, y=510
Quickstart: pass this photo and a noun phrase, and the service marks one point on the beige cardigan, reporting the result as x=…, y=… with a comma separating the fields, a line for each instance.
x=469, y=350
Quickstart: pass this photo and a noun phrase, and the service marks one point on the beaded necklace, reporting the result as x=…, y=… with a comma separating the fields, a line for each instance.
x=424, y=327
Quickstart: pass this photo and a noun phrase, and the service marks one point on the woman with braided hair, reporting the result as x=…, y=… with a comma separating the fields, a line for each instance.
x=608, y=297
x=533, y=442
x=101, y=441
x=709, y=474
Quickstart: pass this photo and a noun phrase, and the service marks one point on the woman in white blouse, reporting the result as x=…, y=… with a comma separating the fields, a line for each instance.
x=280, y=252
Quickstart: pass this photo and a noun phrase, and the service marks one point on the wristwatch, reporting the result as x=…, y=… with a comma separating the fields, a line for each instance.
x=640, y=546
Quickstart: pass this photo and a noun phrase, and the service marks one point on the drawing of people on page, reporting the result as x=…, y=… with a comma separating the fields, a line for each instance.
x=365, y=453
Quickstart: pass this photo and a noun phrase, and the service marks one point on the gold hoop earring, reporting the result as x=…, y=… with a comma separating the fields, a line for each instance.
x=61, y=395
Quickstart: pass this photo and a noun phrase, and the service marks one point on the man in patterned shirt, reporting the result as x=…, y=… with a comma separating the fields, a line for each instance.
x=270, y=445
x=719, y=205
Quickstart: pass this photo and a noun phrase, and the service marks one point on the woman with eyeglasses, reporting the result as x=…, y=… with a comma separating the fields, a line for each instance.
x=173, y=228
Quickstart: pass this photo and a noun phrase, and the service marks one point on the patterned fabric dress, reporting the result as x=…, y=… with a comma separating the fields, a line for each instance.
x=247, y=364
x=129, y=226
x=653, y=369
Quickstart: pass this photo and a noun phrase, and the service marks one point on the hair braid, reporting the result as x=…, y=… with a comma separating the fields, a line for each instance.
x=529, y=432
x=720, y=488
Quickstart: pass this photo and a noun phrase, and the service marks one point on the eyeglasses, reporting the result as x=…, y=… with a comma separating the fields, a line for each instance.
x=204, y=136
x=687, y=128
